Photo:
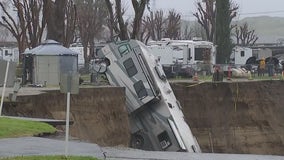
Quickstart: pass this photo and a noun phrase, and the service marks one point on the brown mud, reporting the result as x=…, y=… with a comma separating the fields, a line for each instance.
x=243, y=117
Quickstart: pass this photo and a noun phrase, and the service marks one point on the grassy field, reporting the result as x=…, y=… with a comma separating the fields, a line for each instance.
x=10, y=128
x=49, y=158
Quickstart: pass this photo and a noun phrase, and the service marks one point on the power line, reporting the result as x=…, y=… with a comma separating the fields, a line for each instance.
x=248, y=13
x=241, y=14
x=267, y=12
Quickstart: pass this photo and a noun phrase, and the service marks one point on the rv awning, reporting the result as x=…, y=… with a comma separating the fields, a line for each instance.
x=50, y=48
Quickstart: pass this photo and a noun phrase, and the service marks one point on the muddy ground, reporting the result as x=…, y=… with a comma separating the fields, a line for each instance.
x=240, y=117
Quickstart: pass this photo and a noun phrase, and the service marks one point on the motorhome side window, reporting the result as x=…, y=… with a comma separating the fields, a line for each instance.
x=124, y=49
x=198, y=54
x=242, y=53
x=6, y=53
x=189, y=54
x=130, y=67
x=140, y=89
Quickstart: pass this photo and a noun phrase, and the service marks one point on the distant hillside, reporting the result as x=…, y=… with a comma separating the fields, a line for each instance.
x=268, y=29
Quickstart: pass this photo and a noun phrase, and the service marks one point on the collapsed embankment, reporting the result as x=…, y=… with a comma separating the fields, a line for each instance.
x=99, y=114
x=243, y=117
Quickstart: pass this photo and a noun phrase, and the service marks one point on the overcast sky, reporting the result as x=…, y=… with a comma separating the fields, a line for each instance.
x=248, y=8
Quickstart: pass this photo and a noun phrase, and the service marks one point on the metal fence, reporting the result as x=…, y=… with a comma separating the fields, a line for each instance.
x=227, y=70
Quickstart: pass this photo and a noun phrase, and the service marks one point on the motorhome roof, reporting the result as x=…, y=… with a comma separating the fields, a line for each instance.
x=179, y=42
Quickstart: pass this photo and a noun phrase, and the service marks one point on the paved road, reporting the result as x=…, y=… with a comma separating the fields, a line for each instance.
x=45, y=146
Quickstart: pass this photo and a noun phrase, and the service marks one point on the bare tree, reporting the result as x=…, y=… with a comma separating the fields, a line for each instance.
x=83, y=24
x=245, y=36
x=233, y=11
x=16, y=26
x=187, y=32
x=33, y=10
x=173, y=27
x=91, y=19
x=60, y=18
x=111, y=20
x=156, y=25
x=206, y=16
x=139, y=8
x=70, y=23
x=117, y=23
x=159, y=26
x=144, y=33
x=54, y=15
x=27, y=26
x=198, y=31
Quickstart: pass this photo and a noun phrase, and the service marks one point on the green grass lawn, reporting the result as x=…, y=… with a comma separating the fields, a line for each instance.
x=49, y=158
x=10, y=128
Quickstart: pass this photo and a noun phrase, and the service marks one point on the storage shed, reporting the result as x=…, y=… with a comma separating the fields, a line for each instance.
x=48, y=61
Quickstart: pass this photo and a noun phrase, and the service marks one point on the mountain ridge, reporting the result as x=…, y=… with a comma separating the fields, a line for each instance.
x=268, y=29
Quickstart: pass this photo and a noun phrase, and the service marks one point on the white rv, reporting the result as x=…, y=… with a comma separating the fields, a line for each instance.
x=156, y=118
x=186, y=51
x=80, y=50
x=240, y=55
x=184, y=57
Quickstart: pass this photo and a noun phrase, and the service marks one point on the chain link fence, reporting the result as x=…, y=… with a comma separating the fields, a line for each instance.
x=225, y=70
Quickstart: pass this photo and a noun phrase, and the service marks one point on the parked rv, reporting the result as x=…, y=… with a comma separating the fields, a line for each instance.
x=80, y=50
x=183, y=57
x=240, y=55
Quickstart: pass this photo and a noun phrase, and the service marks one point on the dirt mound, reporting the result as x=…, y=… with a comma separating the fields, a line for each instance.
x=99, y=114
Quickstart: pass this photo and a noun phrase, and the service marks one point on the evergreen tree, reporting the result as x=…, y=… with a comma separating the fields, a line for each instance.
x=223, y=30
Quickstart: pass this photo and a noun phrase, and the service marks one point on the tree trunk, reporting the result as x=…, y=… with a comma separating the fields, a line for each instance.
x=123, y=28
x=54, y=13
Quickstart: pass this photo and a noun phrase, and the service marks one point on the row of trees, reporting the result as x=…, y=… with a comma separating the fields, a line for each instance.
x=66, y=21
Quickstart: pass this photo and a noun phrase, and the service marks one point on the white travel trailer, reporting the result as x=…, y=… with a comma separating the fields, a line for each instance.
x=156, y=119
x=186, y=51
x=184, y=57
x=80, y=51
x=240, y=55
